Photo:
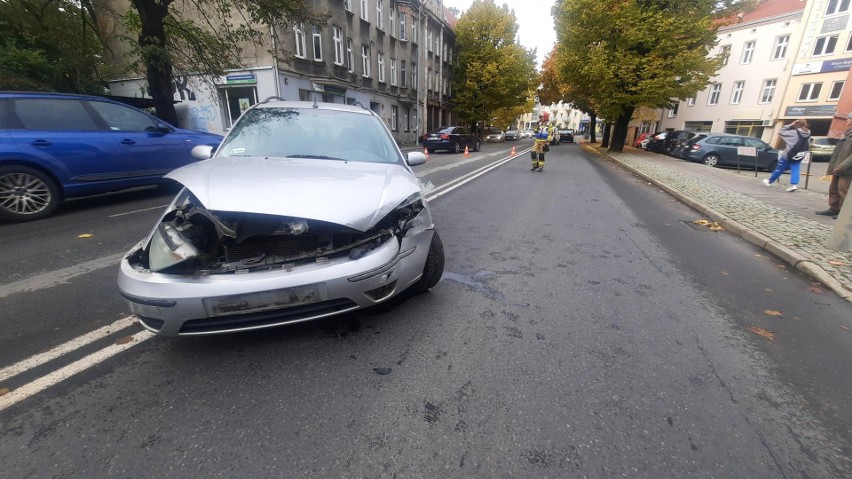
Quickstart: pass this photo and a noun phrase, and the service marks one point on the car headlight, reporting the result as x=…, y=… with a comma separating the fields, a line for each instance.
x=168, y=248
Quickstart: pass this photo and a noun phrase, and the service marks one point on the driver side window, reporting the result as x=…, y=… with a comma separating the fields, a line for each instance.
x=120, y=118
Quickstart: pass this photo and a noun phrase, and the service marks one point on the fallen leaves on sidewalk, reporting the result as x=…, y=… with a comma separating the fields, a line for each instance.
x=762, y=332
x=836, y=263
x=124, y=340
x=86, y=235
x=712, y=225
x=816, y=288
x=772, y=312
x=4, y=391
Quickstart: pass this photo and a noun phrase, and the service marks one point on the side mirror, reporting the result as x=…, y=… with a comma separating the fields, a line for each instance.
x=204, y=152
x=414, y=158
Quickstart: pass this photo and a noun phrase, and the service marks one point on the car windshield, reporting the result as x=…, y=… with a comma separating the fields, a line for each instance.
x=310, y=133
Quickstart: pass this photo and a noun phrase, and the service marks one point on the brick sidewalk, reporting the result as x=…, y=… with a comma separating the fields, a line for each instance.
x=782, y=223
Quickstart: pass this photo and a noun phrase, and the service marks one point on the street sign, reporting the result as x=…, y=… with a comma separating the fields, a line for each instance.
x=746, y=151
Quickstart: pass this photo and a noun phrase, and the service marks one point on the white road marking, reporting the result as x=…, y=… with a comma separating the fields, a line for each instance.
x=60, y=276
x=137, y=211
x=65, y=348
x=451, y=185
x=44, y=382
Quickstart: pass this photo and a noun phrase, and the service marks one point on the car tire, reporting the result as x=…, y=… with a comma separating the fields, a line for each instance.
x=711, y=160
x=456, y=147
x=38, y=192
x=476, y=146
x=434, y=267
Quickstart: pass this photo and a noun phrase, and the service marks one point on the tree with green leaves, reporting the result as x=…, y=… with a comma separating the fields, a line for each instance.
x=205, y=37
x=49, y=45
x=495, y=75
x=632, y=53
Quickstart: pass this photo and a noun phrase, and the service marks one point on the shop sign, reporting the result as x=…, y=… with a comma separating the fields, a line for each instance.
x=241, y=79
x=826, y=66
x=812, y=110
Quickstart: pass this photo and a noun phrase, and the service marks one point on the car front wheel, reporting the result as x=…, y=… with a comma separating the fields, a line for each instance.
x=456, y=147
x=434, y=267
x=711, y=160
x=476, y=145
x=26, y=194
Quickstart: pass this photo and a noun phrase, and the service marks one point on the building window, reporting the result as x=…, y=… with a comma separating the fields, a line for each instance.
x=402, y=72
x=428, y=79
x=836, y=88
x=337, y=34
x=347, y=4
x=365, y=60
x=825, y=45
x=406, y=117
x=317, y=33
x=837, y=6
x=365, y=10
x=690, y=101
x=779, y=51
x=379, y=23
x=381, y=57
x=414, y=37
x=737, y=93
x=300, y=40
x=849, y=44
x=304, y=95
x=810, y=92
x=392, y=21
x=768, y=92
x=402, y=31
x=428, y=40
x=393, y=71
x=414, y=75
x=748, y=52
x=673, y=110
x=394, y=113
x=725, y=54
x=715, y=91
x=350, y=57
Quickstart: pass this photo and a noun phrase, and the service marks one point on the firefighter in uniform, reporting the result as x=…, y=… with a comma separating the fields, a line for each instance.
x=543, y=137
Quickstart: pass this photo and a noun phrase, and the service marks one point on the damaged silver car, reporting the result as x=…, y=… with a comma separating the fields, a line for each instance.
x=306, y=210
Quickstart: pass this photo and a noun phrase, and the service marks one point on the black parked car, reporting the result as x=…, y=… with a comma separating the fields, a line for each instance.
x=452, y=138
x=566, y=135
x=721, y=149
x=657, y=142
x=683, y=147
x=675, y=139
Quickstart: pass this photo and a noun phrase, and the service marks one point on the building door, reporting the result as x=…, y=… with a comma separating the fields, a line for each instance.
x=236, y=100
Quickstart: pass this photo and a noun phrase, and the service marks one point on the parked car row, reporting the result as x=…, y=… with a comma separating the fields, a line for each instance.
x=721, y=149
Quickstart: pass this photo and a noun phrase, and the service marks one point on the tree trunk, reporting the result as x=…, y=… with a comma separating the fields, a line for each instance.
x=152, y=42
x=593, y=122
x=606, y=135
x=619, y=134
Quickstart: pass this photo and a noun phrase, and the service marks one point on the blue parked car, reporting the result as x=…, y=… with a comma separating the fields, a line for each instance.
x=58, y=146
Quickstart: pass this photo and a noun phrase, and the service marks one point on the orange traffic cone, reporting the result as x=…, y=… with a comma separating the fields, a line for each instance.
x=513, y=151
x=466, y=153
x=426, y=152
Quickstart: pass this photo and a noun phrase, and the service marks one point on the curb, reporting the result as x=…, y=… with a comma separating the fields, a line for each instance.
x=758, y=239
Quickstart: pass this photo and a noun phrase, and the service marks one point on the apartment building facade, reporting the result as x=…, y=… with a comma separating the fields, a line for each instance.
x=747, y=95
x=395, y=57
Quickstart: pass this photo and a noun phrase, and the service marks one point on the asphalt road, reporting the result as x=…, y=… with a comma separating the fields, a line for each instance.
x=584, y=327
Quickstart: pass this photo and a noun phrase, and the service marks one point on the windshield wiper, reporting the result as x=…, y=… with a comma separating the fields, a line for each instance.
x=319, y=157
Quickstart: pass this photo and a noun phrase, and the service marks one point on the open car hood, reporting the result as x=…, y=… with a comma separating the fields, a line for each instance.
x=347, y=193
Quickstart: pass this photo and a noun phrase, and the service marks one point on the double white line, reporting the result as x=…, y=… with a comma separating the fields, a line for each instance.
x=126, y=342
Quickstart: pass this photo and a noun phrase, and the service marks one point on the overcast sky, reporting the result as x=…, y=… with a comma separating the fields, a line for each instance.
x=534, y=22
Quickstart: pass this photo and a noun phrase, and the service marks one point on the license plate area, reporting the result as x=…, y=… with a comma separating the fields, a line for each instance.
x=265, y=300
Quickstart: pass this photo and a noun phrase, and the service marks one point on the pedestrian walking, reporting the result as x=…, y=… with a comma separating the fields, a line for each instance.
x=840, y=169
x=543, y=135
x=795, y=136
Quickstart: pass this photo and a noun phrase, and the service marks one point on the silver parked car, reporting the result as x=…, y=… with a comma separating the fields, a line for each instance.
x=305, y=211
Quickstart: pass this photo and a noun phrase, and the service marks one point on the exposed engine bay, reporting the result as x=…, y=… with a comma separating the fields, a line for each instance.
x=191, y=240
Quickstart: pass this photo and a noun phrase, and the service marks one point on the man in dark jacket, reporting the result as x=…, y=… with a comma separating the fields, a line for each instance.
x=840, y=169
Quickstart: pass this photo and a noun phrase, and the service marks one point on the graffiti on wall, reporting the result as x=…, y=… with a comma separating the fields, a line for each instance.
x=198, y=116
x=180, y=86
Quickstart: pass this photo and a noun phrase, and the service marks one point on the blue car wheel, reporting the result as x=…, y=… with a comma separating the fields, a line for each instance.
x=26, y=194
